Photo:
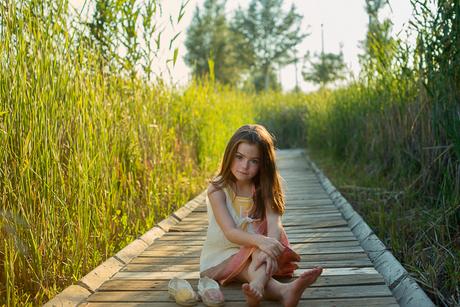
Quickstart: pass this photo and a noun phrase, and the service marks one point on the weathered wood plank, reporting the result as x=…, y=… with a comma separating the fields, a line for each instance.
x=292, y=236
x=302, y=249
x=331, y=280
x=292, y=239
x=195, y=274
x=193, y=260
x=231, y=294
x=289, y=230
x=173, y=267
x=343, y=302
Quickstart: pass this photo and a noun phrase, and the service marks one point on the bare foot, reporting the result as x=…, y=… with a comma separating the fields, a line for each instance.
x=253, y=296
x=294, y=289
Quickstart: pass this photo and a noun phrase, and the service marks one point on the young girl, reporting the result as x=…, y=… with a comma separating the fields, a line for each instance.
x=245, y=239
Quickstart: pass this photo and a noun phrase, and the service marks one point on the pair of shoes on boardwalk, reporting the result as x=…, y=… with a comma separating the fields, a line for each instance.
x=208, y=289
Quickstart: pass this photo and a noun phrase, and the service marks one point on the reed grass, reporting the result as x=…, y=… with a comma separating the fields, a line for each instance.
x=284, y=115
x=398, y=131
x=90, y=159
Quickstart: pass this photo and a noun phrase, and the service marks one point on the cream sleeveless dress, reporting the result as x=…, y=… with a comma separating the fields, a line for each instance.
x=217, y=248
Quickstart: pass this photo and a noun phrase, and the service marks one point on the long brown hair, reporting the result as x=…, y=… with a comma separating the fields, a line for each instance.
x=267, y=181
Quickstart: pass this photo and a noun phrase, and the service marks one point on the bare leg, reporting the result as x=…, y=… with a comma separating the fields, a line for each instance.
x=258, y=285
x=257, y=278
x=289, y=294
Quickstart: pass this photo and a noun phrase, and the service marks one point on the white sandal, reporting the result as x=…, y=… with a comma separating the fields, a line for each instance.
x=182, y=292
x=210, y=293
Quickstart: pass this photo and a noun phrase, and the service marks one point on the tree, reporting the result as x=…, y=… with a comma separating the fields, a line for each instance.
x=270, y=33
x=256, y=82
x=328, y=68
x=209, y=37
x=379, y=47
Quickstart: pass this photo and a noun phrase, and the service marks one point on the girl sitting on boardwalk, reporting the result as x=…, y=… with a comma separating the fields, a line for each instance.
x=245, y=239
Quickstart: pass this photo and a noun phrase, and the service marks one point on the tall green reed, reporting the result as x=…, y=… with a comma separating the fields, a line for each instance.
x=90, y=159
x=401, y=125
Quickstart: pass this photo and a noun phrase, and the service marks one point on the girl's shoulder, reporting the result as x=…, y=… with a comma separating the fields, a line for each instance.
x=216, y=194
x=214, y=188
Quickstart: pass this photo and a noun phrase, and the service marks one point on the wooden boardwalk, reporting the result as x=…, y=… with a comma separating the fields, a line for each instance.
x=314, y=226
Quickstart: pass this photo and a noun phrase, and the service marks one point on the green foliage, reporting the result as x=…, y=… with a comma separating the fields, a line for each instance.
x=270, y=33
x=393, y=136
x=209, y=37
x=438, y=45
x=284, y=115
x=89, y=160
x=256, y=82
x=211, y=112
x=126, y=36
x=328, y=68
x=379, y=46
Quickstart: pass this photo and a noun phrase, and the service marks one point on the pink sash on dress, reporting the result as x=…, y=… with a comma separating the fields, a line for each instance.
x=286, y=261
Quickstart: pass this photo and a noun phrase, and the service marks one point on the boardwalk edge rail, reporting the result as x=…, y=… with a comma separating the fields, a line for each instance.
x=87, y=285
x=406, y=291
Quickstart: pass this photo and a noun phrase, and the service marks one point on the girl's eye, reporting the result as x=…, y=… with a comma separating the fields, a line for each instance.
x=239, y=157
x=255, y=162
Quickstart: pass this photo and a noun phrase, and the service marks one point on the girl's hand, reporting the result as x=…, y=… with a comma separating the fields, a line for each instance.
x=260, y=258
x=272, y=266
x=270, y=246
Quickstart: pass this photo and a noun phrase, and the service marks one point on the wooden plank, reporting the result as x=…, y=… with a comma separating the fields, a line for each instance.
x=312, y=219
x=193, y=260
x=328, y=302
x=297, y=238
x=161, y=285
x=342, y=229
x=292, y=240
x=288, y=228
x=173, y=267
x=313, y=235
x=306, y=210
x=231, y=294
x=317, y=202
x=195, y=274
x=333, y=235
x=319, y=245
x=169, y=260
x=312, y=216
x=300, y=248
x=320, y=224
x=306, y=195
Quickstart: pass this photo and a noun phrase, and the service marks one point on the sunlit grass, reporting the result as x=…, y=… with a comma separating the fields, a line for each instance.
x=387, y=142
x=89, y=160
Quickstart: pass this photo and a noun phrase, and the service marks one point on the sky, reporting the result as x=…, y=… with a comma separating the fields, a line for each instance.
x=344, y=25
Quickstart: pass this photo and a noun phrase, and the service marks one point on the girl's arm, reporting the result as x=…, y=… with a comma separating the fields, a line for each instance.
x=273, y=222
x=218, y=203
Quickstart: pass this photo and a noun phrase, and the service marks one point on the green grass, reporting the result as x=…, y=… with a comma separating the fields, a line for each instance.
x=388, y=142
x=420, y=236
x=90, y=160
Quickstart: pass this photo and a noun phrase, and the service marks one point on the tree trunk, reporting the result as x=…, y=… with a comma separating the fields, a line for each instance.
x=266, y=68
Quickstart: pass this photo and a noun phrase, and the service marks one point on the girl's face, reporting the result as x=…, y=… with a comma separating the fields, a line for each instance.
x=246, y=162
